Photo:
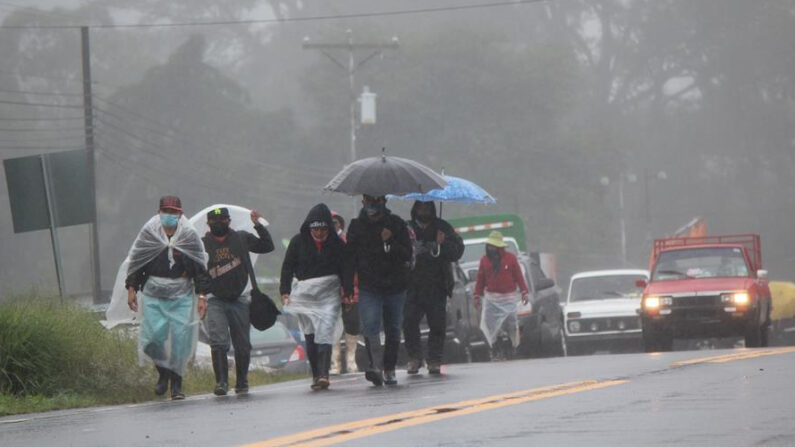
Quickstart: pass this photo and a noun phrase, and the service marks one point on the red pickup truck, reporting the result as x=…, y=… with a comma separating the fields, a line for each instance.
x=706, y=286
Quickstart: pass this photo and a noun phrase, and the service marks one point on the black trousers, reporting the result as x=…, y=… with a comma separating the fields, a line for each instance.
x=430, y=303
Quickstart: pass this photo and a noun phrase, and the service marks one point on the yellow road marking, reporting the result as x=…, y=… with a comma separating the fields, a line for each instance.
x=367, y=427
x=742, y=355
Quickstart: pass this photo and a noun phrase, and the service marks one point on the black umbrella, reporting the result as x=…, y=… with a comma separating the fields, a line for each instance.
x=379, y=176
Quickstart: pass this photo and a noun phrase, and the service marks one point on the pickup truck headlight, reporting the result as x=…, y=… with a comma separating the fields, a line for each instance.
x=652, y=303
x=738, y=299
x=574, y=326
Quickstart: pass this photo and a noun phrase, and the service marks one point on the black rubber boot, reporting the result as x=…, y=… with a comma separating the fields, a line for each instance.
x=311, y=355
x=390, y=360
x=242, y=361
x=323, y=366
x=221, y=369
x=162, y=380
x=375, y=355
x=176, y=386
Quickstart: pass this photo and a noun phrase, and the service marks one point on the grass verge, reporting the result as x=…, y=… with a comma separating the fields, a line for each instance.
x=55, y=356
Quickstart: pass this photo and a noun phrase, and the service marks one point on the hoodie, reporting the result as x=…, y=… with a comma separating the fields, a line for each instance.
x=433, y=268
x=381, y=266
x=307, y=259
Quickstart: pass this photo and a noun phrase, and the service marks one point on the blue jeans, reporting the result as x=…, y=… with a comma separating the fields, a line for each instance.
x=374, y=306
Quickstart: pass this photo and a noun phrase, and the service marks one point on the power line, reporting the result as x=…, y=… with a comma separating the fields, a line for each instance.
x=32, y=148
x=38, y=93
x=40, y=104
x=358, y=15
x=43, y=129
x=65, y=118
x=176, y=135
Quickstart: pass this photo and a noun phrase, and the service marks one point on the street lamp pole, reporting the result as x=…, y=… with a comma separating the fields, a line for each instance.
x=351, y=67
x=622, y=218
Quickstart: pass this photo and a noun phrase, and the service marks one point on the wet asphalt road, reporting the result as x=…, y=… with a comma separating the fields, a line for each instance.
x=722, y=397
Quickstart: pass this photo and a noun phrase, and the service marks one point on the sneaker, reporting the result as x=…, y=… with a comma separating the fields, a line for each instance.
x=323, y=383
x=221, y=389
x=390, y=378
x=414, y=366
x=434, y=369
x=376, y=377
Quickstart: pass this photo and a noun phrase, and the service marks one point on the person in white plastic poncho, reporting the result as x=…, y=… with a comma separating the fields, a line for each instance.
x=499, y=276
x=167, y=264
x=314, y=257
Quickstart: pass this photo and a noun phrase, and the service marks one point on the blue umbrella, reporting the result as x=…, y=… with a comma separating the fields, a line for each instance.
x=457, y=190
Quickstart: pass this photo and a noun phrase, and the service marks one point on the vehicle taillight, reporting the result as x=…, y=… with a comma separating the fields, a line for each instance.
x=298, y=354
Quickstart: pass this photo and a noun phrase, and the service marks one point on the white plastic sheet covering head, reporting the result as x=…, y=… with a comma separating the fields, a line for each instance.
x=316, y=303
x=118, y=312
x=499, y=310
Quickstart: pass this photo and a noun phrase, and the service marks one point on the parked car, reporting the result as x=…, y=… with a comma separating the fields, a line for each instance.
x=602, y=311
x=274, y=349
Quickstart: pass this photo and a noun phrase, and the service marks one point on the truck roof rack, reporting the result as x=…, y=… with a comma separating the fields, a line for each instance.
x=751, y=243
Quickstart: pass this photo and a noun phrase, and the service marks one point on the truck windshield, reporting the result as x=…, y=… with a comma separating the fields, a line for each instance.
x=605, y=287
x=713, y=262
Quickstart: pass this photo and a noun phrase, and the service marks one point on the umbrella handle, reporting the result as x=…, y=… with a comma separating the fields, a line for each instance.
x=438, y=251
x=387, y=248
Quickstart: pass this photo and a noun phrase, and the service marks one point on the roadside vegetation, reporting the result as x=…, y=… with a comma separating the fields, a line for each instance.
x=56, y=356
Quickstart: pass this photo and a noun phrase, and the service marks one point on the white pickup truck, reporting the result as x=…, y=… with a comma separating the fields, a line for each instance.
x=601, y=311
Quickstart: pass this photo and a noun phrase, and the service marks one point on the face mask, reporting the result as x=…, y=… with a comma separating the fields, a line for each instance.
x=219, y=229
x=374, y=209
x=169, y=220
x=423, y=218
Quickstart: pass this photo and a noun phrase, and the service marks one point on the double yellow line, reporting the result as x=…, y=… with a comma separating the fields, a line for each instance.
x=742, y=355
x=368, y=427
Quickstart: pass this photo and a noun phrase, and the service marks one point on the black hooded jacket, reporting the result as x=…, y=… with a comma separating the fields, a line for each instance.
x=303, y=260
x=432, y=268
x=383, y=267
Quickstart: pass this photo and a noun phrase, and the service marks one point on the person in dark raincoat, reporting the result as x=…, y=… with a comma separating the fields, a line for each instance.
x=436, y=246
x=315, y=258
x=379, y=252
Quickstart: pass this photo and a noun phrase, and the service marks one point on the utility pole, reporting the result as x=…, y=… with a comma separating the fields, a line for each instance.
x=88, y=113
x=351, y=67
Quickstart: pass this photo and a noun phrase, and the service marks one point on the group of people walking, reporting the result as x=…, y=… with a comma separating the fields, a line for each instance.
x=384, y=274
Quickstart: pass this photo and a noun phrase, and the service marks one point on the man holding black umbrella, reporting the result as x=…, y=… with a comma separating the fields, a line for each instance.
x=436, y=246
x=379, y=251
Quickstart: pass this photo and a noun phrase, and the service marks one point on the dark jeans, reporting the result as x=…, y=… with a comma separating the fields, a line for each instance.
x=431, y=304
x=225, y=318
x=374, y=306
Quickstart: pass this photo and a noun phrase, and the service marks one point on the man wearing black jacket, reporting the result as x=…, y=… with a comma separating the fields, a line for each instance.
x=379, y=252
x=227, y=306
x=436, y=246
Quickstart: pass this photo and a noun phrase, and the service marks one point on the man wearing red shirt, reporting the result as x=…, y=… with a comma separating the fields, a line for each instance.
x=499, y=277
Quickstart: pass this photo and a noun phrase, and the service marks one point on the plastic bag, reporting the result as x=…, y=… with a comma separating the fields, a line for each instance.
x=316, y=303
x=499, y=310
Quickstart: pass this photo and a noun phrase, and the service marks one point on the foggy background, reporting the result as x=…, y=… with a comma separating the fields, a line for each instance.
x=537, y=102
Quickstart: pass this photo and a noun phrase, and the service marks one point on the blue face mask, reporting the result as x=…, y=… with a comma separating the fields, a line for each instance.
x=169, y=220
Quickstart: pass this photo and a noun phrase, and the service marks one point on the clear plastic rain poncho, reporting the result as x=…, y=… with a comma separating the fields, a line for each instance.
x=316, y=303
x=166, y=306
x=119, y=313
x=499, y=311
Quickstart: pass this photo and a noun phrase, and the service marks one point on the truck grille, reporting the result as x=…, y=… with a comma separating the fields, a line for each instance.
x=696, y=301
